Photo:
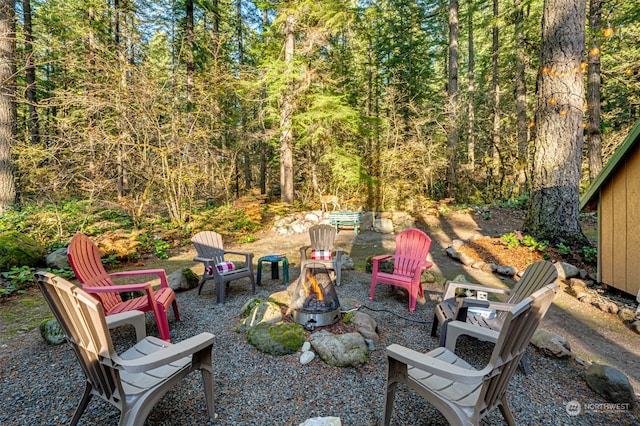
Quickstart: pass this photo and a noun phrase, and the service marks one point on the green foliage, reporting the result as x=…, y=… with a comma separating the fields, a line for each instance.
x=590, y=254
x=19, y=278
x=534, y=245
x=511, y=239
x=520, y=203
x=563, y=249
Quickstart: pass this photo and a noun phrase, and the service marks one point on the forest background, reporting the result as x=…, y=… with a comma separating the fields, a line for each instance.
x=175, y=108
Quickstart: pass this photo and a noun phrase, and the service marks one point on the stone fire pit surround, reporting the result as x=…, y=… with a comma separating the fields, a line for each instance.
x=270, y=331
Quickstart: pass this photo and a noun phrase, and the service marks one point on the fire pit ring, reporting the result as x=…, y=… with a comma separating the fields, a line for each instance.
x=315, y=302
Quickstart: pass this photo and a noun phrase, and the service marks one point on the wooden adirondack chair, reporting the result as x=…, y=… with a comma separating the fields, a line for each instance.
x=134, y=381
x=322, y=250
x=536, y=276
x=84, y=258
x=409, y=260
x=211, y=252
x=461, y=393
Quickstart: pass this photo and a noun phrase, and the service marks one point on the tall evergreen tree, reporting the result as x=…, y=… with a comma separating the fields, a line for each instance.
x=7, y=102
x=553, y=212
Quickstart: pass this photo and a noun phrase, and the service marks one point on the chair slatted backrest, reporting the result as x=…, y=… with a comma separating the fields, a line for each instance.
x=82, y=319
x=209, y=245
x=534, y=278
x=322, y=237
x=412, y=248
x=84, y=258
x=519, y=325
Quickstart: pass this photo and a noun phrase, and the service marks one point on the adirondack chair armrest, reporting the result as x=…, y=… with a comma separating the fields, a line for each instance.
x=425, y=265
x=303, y=252
x=169, y=353
x=456, y=329
x=450, y=289
x=377, y=259
x=247, y=256
x=135, y=318
x=160, y=273
x=500, y=306
x=433, y=365
x=203, y=259
x=119, y=288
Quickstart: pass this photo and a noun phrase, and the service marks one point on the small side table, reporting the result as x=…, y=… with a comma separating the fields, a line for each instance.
x=274, y=259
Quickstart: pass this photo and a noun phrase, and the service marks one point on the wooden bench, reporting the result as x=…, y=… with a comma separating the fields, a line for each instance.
x=338, y=219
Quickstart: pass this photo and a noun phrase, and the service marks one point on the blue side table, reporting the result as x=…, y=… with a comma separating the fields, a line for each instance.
x=274, y=259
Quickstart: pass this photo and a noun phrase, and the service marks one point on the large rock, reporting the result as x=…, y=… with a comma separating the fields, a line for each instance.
x=551, y=343
x=255, y=313
x=58, y=259
x=365, y=325
x=277, y=339
x=347, y=263
x=566, y=270
x=340, y=350
x=383, y=226
x=322, y=421
x=183, y=280
x=51, y=332
x=610, y=383
x=19, y=249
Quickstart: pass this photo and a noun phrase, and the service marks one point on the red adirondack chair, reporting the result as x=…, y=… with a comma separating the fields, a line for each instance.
x=84, y=258
x=409, y=260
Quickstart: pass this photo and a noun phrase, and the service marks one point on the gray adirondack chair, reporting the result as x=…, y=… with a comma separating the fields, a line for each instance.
x=461, y=393
x=135, y=380
x=211, y=252
x=536, y=276
x=322, y=237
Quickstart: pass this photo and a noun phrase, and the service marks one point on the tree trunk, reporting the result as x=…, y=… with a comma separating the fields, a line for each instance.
x=554, y=207
x=471, y=142
x=30, y=74
x=594, y=136
x=7, y=102
x=522, y=123
x=495, y=84
x=286, y=125
x=452, y=143
x=190, y=65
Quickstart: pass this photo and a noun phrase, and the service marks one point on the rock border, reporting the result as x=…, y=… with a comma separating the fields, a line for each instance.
x=581, y=285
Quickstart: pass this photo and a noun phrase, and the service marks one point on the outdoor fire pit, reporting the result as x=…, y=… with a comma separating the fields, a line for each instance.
x=315, y=302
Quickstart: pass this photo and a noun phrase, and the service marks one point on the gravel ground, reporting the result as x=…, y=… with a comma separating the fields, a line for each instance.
x=42, y=384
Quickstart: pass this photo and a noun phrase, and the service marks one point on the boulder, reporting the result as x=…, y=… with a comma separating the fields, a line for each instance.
x=343, y=350
x=627, y=314
x=367, y=221
x=347, y=263
x=282, y=298
x=51, y=332
x=58, y=259
x=322, y=421
x=277, y=339
x=610, y=383
x=383, y=226
x=183, y=280
x=19, y=249
x=551, y=344
x=365, y=325
x=259, y=313
x=452, y=253
x=566, y=270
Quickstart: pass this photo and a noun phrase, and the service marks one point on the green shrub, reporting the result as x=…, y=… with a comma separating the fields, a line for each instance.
x=563, y=249
x=590, y=254
x=511, y=239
